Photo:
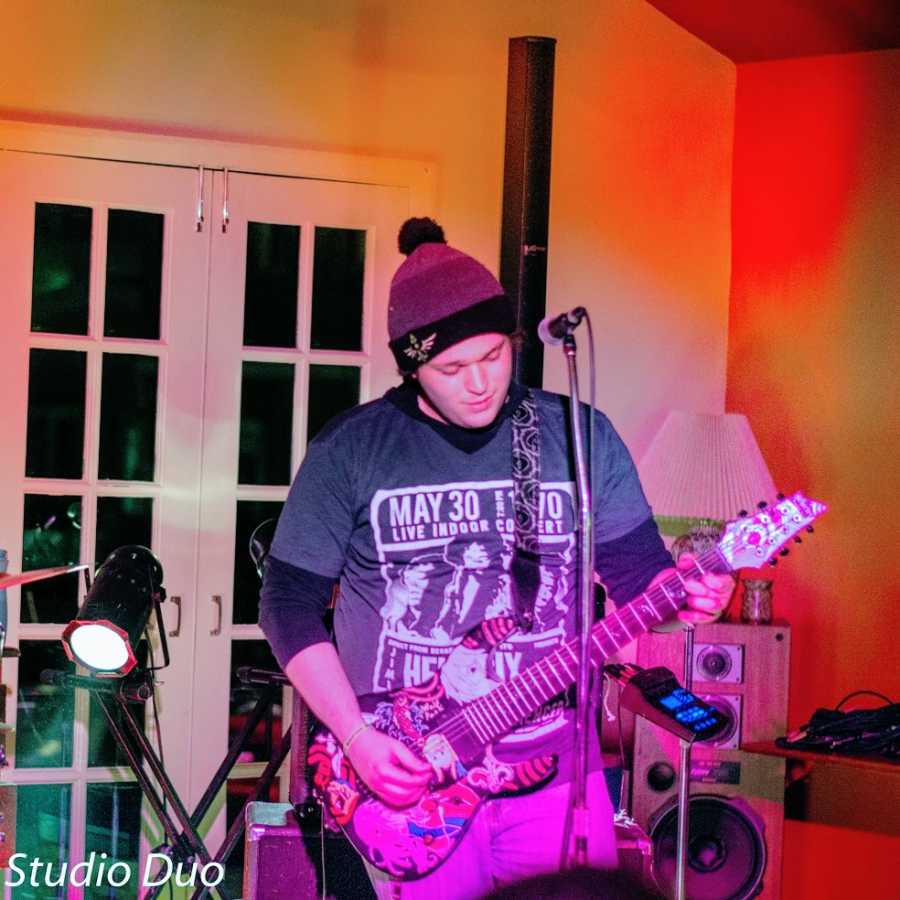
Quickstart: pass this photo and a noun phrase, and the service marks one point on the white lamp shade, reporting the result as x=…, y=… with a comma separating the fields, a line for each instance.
x=704, y=466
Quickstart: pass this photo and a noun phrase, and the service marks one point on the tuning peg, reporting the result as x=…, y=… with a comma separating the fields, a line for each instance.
x=762, y=504
x=784, y=552
x=798, y=540
x=810, y=529
x=773, y=562
x=742, y=513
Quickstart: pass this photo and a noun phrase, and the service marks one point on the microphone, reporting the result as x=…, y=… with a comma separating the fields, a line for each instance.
x=251, y=675
x=553, y=330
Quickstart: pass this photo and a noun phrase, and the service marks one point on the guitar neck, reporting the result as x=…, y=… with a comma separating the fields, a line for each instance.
x=512, y=702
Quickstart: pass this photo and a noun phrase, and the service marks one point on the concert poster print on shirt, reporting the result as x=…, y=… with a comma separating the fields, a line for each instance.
x=445, y=553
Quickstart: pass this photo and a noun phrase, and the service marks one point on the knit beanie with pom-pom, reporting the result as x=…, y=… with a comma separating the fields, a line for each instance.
x=439, y=297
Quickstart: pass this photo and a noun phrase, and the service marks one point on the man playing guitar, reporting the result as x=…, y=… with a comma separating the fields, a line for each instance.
x=411, y=502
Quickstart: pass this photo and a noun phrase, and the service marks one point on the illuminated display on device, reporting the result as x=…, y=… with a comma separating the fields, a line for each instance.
x=688, y=709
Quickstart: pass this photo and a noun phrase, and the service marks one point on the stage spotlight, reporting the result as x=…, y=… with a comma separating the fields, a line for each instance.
x=104, y=635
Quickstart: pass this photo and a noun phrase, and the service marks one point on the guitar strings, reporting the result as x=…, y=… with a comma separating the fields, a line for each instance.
x=490, y=706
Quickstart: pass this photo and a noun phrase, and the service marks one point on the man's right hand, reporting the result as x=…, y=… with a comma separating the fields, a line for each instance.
x=389, y=768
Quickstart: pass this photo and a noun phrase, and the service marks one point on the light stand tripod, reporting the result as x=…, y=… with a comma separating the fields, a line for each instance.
x=114, y=697
x=184, y=845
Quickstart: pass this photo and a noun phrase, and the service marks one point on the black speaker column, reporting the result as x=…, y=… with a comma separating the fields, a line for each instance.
x=526, y=193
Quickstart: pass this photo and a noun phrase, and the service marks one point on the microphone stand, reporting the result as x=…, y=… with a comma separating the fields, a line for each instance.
x=684, y=777
x=584, y=614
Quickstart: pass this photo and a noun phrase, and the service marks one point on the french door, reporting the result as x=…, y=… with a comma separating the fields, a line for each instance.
x=297, y=333
x=162, y=379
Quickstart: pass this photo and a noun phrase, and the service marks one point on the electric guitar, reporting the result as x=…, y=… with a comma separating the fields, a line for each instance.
x=457, y=738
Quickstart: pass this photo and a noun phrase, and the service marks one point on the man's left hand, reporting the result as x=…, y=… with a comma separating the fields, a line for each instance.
x=707, y=596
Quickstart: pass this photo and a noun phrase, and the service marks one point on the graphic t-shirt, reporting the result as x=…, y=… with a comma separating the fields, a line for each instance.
x=421, y=534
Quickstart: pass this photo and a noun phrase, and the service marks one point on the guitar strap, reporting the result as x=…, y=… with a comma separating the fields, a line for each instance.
x=525, y=570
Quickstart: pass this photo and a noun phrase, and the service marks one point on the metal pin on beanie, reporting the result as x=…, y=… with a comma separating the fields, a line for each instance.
x=440, y=296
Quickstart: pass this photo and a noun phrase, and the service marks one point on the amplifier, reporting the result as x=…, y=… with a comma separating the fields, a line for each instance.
x=284, y=862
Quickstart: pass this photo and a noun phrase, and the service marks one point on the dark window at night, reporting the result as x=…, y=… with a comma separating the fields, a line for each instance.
x=250, y=514
x=55, y=441
x=243, y=697
x=134, y=258
x=121, y=521
x=113, y=827
x=103, y=748
x=128, y=417
x=332, y=389
x=62, y=265
x=44, y=717
x=51, y=537
x=270, y=292
x=267, y=417
x=339, y=264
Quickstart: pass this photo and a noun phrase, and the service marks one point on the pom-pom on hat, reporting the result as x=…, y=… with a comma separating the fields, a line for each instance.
x=439, y=297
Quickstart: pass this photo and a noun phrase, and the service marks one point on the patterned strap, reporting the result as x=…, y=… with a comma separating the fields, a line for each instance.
x=526, y=465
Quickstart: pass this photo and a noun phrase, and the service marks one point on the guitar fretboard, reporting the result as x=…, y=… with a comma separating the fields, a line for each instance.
x=512, y=702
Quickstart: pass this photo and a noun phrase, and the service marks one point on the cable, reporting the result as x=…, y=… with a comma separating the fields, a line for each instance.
x=322, y=850
x=871, y=693
x=159, y=741
x=622, y=804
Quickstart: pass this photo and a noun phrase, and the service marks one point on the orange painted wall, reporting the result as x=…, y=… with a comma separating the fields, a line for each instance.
x=641, y=149
x=813, y=360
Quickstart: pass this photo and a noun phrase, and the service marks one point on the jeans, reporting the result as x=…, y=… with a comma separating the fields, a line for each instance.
x=510, y=838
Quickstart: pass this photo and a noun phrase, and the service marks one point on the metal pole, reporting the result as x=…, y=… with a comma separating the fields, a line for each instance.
x=171, y=829
x=584, y=612
x=189, y=834
x=684, y=777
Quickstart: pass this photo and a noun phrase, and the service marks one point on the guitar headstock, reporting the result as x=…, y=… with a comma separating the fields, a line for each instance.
x=752, y=541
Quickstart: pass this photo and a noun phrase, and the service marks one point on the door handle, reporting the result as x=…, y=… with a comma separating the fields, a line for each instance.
x=214, y=632
x=176, y=631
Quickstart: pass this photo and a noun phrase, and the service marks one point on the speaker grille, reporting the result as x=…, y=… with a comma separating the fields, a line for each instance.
x=726, y=849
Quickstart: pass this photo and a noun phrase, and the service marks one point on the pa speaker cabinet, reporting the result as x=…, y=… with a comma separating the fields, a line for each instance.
x=526, y=193
x=737, y=799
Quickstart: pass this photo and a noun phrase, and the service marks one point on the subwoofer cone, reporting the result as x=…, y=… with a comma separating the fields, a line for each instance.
x=726, y=849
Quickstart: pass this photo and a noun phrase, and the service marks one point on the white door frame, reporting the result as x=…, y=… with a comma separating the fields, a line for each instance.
x=419, y=177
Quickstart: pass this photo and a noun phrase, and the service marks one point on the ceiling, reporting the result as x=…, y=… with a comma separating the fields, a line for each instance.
x=755, y=30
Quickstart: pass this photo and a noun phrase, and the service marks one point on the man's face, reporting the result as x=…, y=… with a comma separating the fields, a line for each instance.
x=467, y=383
